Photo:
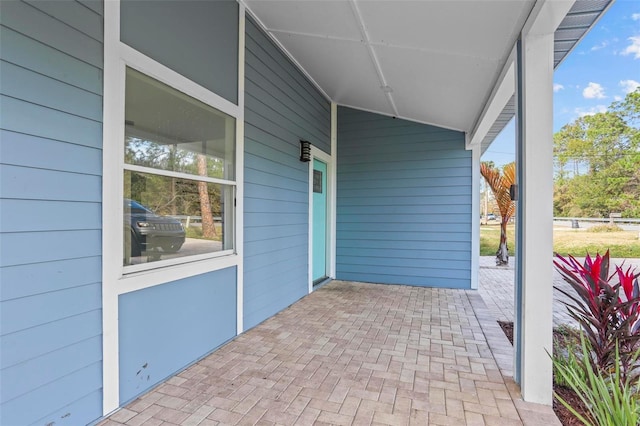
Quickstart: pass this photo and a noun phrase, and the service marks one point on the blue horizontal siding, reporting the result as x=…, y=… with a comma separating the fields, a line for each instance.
x=271, y=178
x=36, y=120
x=404, y=184
x=399, y=253
x=296, y=88
x=68, y=302
x=17, y=149
x=33, y=247
x=276, y=219
x=404, y=279
x=50, y=212
x=37, y=24
x=281, y=108
x=407, y=226
x=27, y=216
x=75, y=412
x=259, y=261
x=95, y=5
x=75, y=14
x=33, y=55
x=406, y=174
x=404, y=207
x=35, y=278
x=399, y=201
x=47, y=402
x=164, y=328
x=418, y=218
x=48, y=368
x=39, y=184
x=413, y=209
x=354, y=246
x=21, y=83
x=293, y=244
x=37, y=341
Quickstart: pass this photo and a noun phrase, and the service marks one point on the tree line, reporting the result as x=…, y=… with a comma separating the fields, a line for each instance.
x=597, y=162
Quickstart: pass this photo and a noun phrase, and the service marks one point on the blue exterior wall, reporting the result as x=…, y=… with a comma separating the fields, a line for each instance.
x=404, y=202
x=281, y=107
x=167, y=327
x=50, y=212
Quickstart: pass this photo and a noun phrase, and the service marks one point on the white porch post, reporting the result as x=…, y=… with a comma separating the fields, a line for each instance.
x=534, y=268
x=475, y=214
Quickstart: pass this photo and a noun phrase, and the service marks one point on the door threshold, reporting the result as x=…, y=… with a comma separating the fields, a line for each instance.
x=320, y=282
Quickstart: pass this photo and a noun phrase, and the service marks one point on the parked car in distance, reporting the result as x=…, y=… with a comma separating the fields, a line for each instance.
x=491, y=216
x=150, y=232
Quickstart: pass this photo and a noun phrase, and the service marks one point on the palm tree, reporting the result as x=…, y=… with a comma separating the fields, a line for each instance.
x=500, y=183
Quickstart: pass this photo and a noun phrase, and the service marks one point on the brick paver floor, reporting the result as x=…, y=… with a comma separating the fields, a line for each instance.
x=496, y=289
x=352, y=353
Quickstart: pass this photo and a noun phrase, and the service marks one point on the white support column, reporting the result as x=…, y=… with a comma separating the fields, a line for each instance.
x=534, y=268
x=475, y=214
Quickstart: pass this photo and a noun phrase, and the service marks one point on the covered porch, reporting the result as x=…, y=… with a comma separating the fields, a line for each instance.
x=353, y=353
x=398, y=101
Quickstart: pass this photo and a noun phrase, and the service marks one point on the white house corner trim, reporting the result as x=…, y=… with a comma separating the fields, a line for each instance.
x=239, y=240
x=112, y=109
x=333, y=188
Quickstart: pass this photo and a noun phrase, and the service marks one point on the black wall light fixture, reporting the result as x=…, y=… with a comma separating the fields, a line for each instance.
x=305, y=151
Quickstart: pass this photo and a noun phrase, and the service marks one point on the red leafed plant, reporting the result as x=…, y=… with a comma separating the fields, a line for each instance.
x=608, y=313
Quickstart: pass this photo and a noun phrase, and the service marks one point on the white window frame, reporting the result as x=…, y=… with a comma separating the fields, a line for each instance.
x=116, y=278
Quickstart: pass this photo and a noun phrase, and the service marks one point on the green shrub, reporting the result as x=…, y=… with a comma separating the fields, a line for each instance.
x=610, y=399
x=566, y=358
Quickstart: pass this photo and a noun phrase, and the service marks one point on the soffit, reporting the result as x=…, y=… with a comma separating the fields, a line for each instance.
x=580, y=19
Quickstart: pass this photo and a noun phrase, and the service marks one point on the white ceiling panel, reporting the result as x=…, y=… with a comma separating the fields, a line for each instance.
x=467, y=28
x=320, y=18
x=445, y=90
x=343, y=69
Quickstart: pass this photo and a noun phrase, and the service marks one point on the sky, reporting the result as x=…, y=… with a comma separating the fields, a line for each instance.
x=601, y=69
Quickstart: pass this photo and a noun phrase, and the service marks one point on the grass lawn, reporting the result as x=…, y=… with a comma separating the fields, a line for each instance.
x=196, y=232
x=576, y=242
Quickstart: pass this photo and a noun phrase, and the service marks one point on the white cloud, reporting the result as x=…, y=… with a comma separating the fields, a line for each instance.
x=593, y=91
x=635, y=16
x=557, y=87
x=591, y=111
x=600, y=46
x=633, y=48
x=629, y=85
x=617, y=98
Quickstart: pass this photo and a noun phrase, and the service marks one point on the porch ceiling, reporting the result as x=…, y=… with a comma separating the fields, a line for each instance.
x=428, y=61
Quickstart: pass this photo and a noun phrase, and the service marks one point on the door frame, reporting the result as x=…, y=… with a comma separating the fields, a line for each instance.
x=317, y=154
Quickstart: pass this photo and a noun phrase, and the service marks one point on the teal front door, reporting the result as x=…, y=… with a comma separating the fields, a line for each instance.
x=319, y=235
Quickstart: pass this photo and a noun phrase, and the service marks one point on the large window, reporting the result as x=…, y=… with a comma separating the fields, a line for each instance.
x=179, y=175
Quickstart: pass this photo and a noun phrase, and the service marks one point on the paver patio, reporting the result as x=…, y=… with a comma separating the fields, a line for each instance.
x=353, y=353
x=496, y=288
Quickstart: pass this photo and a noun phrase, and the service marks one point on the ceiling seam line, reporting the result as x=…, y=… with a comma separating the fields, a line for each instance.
x=312, y=35
x=377, y=43
x=372, y=55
